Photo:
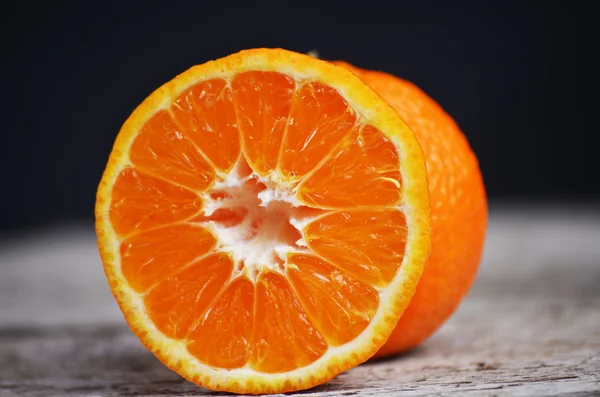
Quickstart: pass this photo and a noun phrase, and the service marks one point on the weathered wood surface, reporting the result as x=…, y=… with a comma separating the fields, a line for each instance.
x=531, y=325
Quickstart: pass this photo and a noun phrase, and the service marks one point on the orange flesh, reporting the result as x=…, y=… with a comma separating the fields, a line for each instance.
x=263, y=101
x=361, y=171
x=346, y=173
x=161, y=150
x=196, y=286
x=340, y=305
x=156, y=254
x=205, y=112
x=284, y=337
x=223, y=335
x=368, y=244
x=318, y=121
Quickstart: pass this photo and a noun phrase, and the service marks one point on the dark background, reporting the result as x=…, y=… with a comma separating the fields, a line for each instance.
x=517, y=76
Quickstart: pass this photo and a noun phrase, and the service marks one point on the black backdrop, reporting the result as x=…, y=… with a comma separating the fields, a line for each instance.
x=516, y=75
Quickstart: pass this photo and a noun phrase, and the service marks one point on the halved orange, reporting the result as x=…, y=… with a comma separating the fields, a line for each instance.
x=263, y=221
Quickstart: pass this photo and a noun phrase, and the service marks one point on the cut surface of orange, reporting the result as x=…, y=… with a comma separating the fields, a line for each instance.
x=263, y=221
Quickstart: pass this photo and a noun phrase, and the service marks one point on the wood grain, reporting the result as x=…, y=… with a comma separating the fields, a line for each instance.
x=531, y=325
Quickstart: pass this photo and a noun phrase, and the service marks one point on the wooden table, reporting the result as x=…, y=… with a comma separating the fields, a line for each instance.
x=531, y=325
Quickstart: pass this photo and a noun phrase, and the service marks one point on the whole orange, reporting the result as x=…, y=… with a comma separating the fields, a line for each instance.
x=458, y=209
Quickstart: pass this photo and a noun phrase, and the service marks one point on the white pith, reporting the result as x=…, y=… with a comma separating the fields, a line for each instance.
x=266, y=247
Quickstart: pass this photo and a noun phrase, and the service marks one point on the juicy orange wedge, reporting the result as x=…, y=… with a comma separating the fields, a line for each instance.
x=263, y=221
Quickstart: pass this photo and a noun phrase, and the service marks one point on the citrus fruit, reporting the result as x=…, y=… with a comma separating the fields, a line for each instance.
x=458, y=209
x=263, y=221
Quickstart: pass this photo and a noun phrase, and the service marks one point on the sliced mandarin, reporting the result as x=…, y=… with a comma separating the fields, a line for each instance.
x=321, y=135
x=285, y=328
x=256, y=211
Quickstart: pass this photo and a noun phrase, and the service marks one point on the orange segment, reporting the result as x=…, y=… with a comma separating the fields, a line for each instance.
x=176, y=303
x=368, y=244
x=223, y=335
x=319, y=119
x=140, y=201
x=150, y=257
x=284, y=336
x=263, y=101
x=162, y=150
x=206, y=115
x=340, y=305
x=362, y=171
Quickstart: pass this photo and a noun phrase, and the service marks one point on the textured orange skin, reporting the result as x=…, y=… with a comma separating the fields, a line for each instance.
x=458, y=210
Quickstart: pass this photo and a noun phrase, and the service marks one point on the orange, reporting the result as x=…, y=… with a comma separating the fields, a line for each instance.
x=263, y=221
x=458, y=209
